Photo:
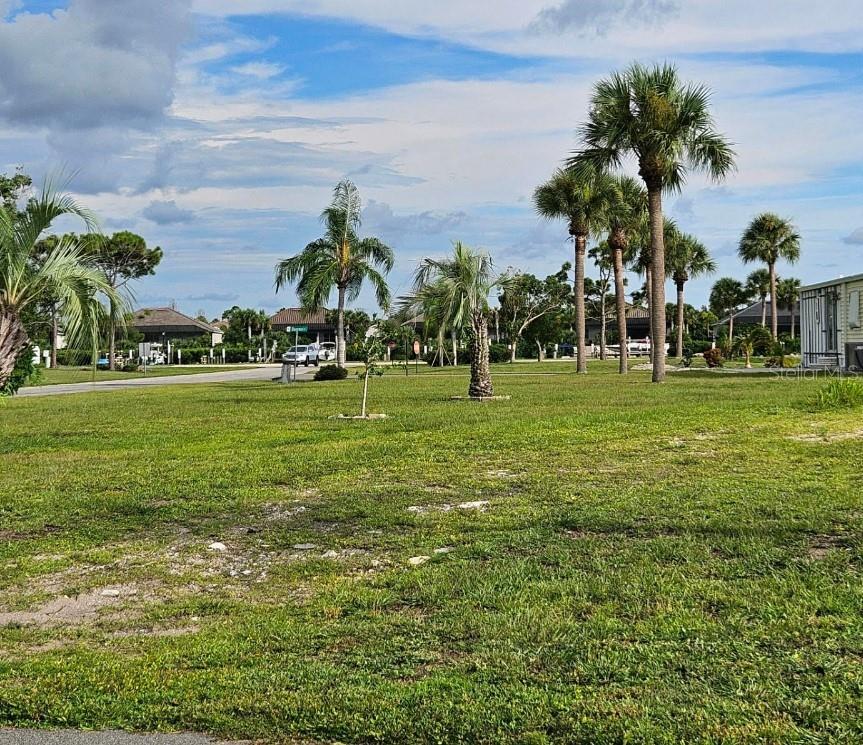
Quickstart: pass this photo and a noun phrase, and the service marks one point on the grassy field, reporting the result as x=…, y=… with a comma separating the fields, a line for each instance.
x=608, y=561
x=58, y=375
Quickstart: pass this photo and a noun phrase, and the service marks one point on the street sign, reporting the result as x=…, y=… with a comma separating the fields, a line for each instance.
x=297, y=329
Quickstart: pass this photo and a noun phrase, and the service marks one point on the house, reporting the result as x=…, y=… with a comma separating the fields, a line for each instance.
x=319, y=329
x=167, y=324
x=751, y=316
x=830, y=324
x=637, y=324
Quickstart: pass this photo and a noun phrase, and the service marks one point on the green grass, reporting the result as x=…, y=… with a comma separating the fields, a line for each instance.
x=656, y=564
x=58, y=375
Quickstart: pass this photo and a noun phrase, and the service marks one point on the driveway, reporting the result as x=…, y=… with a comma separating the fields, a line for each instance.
x=265, y=372
x=75, y=737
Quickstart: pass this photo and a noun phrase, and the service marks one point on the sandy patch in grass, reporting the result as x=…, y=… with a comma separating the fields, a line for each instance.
x=828, y=437
x=479, y=505
x=70, y=610
x=821, y=546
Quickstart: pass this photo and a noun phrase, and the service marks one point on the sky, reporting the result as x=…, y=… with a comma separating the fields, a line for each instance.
x=217, y=129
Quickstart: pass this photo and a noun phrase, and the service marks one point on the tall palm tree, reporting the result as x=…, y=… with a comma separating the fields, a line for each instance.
x=460, y=286
x=650, y=114
x=687, y=258
x=725, y=298
x=787, y=295
x=623, y=217
x=768, y=239
x=341, y=260
x=758, y=286
x=65, y=272
x=581, y=198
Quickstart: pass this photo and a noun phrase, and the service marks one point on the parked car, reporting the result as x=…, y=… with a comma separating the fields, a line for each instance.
x=327, y=351
x=102, y=363
x=305, y=354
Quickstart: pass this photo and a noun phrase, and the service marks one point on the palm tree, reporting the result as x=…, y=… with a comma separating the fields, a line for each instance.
x=65, y=272
x=687, y=258
x=581, y=198
x=725, y=297
x=768, y=239
x=758, y=286
x=341, y=260
x=649, y=114
x=787, y=295
x=460, y=286
x=625, y=213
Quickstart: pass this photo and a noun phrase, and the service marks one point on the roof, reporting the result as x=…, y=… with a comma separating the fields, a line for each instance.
x=168, y=319
x=415, y=321
x=753, y=312
x=299, y=317
x=829, y=283
x=634, y=311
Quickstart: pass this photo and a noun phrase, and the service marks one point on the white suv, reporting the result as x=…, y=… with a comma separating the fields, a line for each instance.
x=304, y=354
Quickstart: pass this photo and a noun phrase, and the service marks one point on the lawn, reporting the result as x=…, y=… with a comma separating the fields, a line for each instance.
x=58, y=375
x=609, y=561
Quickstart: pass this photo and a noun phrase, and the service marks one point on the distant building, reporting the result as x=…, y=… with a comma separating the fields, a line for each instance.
x=751, y=316
x=320, y=330
x=167, y=324
x=637, y=324
x=831, y=323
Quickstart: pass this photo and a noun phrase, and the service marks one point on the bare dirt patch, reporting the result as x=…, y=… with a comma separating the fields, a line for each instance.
x=70, y=610
x=828, y=437
x=821, y=546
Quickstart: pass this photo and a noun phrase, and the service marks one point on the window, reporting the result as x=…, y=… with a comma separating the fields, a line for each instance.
x=854, y=309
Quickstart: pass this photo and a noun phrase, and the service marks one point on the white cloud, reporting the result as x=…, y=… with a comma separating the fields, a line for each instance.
x=167, y=213
x=259, y=70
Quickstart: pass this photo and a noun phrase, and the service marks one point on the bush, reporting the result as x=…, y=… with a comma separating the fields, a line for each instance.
x=839, y=394
x=498, y=352
x=781, y=361
x=713, y=357
x=331, y=372
x=699, y=346
x=23, y=371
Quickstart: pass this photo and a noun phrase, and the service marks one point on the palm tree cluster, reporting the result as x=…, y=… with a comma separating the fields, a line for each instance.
x=66, y=272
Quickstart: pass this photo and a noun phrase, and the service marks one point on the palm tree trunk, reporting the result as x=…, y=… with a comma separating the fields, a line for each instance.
x=580, y=250
x=620, y=300
x=55, y=336
x=514, y=345
x=774, y=316
x=112, y=340
x=454, y=348
x=731, y=327
x=793, y=308
x=603, y=326
x=680, y=319
x=342, y=352
x=763, y=312
x=480, y=373
x=648, y=294
x=13, y=340
x=657, y=267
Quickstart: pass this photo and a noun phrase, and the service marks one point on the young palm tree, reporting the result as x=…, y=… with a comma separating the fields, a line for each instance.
x=787, y=295
x=581, y=198
x=687, y=258
x=340, y=260
x=768, y=239
x=758, y=286
x=726, y=296
x=65, y=272
x=666, y=125
x=460, y=286
x=623, y=217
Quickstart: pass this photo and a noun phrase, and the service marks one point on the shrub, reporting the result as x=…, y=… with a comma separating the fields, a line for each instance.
x=331, y=372
x=23, y=371
x=782, y=361
x=498, y=352
x=713, y=357
x=840, y=393
x=699, y=346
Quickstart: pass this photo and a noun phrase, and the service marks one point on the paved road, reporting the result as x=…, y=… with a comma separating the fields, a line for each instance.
x=75, y=737
x=267, y=372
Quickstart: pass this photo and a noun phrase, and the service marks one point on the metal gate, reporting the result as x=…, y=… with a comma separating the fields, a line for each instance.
x=819, y=328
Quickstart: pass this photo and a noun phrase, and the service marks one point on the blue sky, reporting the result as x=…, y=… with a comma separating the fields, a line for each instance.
x=219, y=136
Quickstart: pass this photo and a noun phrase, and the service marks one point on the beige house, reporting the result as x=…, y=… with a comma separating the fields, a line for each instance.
x=831, y=324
